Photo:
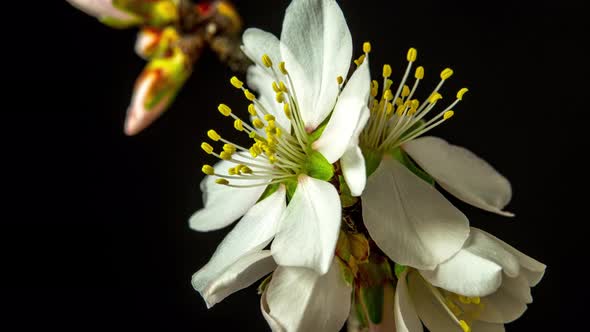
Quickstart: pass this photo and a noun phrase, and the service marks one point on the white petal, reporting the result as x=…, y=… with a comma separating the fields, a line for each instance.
x=518, y=288
x=353, y=170
x=272, y=323
x=299, y=299
x=433, y=313
x=223, y=204
x=479, y=326
x=309, y=228
x=257, y=42
x=343, y=123
x=101, y=8
x=462, y=173
x=317, y=48
x=409, y=220
x=259, y=80
x=241, y=274
x=532, y=269
x=252, y=233
x=406, y=317
x=501, y=307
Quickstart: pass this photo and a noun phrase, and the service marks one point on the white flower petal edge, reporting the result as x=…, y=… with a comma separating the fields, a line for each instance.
x=409, y=219
x=317, y=47
x=100, y=9
x=406, y=318
x=222, y=204
x=241, y=274
x=478, y=269
x=259, y=80
x=480, y=326
x=462, y=173
x=299, y=299
x=348, y=112
x=308, y=229
x=251, y=234
x=354, y=171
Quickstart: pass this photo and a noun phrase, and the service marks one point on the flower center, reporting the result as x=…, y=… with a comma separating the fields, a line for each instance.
x=398, y=118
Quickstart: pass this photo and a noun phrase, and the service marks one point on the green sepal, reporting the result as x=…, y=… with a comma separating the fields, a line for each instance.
x=291, y=185
x=373, y=299
x=117, y=23
x=399, y=269
x=319, y=130
x=318, y=167
x=346, y=272
x=360, y=311
x=270, y=189
x=372, y=160
x=174, y=71
x=401, y=156
x=346, y=198
x=262, y=287
x=153, y=13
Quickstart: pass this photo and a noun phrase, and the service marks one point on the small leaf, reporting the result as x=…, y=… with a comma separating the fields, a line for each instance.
x=372, y=160
x=346, y=198
x=373, y=299
x=399, y=269
x=270, y=189
x=291, y=188
x=318, y=167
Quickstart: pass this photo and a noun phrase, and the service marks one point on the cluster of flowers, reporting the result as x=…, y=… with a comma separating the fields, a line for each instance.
x=340, y=216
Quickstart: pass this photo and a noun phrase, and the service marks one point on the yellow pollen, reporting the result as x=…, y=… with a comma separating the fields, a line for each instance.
x=414, y=104
x=360, y=60
x=339, y=79
x=232, y=171
x=229, y=148
x=374, y=88
x=258, y=123
x=236, y=82
x=448, y=115
x=213, y=135
x=386, y=71
x=389, y=108
x=269, y=117
x=224, y=109
x=208, y=169
x=275, y=87
x=419, y=73
x=388, y=95
x=283, y=87
x=476, y=300
x=445, y=74
x=245, y=169
x=238, y=125
x=412, y=54
x=461, y=93
x=367, y=47
x=434, y=98
x=405, y=91
x=222, y=181
x=282, y=68
x=287, y=111
x=388, y=83
x=464, y=299
x=266, y=61
x=249, y=95
x=225, y=155
x=464, y=326
x=280, y=97
x=254, y=151
x=252, y=109
x=207, y=147
x=272, y=159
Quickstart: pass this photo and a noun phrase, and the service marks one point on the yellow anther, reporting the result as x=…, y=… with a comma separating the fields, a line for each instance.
x=388, y=83
x=230, y=148
x=412, y=54
x=280, y=97
x=232, y=171
x=249, y=95
x=434, y=97
x=254, y=151
x=461, y=93
x=448, y=115
x=207, y=147
x=374, y=88
x=445, y=74
x=236, y=82
x=225, y=155
x=287, y=111
x=245, y=169
x=275, y=87
x=224, y=109
x=464, y=326
x=266, y=61
x=213, y=135
x=476, y=300
x=222, y=181
x=405, y=91
x=400, y=110
x=238, y=125
x=252, y=134
x=252, y=109
x=269, y=117
x=283, y=87
x=367, y=47
x=258, y=123
x=464, y=299
x=208, y=169
x=389, y=108
x=419, y=73
x=340, y=80
x=282, y=68
x=360, y=60
x=272, y=159
x=278, y=132
x=388, y=95
x=386, y=71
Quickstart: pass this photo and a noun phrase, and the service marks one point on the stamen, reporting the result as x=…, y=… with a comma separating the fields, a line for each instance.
x=208, y=169
x=236, y=82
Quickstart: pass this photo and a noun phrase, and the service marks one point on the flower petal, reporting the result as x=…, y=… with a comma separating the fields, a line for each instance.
x=252, y=233
x=462, y=173
x=409, y=220
x=480, y=326
x=317, y=48
x=222, y=204
x=259, y=80
x=239, y=275
x=501, y=307
x=532, y=269
x=343, y=123
x=353, y=170
x=101, y=9
x=257, y=42
x=272, y=323
x=309, y=228
x=406, y=317
x=299, y=299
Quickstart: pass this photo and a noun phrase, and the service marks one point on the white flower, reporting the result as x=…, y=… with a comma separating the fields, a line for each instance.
x=484, y=286
x=407, y=217
x=103, y=9
x=285, y=155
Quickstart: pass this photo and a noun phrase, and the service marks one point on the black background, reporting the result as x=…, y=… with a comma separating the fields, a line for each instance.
x=95, y=234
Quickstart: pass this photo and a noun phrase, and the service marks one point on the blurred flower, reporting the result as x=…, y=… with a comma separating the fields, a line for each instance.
x=107, y=12
x=484, y=286
x=302, y=122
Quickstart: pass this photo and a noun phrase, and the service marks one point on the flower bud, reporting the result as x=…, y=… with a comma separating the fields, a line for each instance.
x=153, y=13
x=152, y=42
x=107, y=12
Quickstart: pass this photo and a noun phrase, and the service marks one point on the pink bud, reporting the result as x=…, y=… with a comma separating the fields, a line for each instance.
x=138, y=116
x=104, y=10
